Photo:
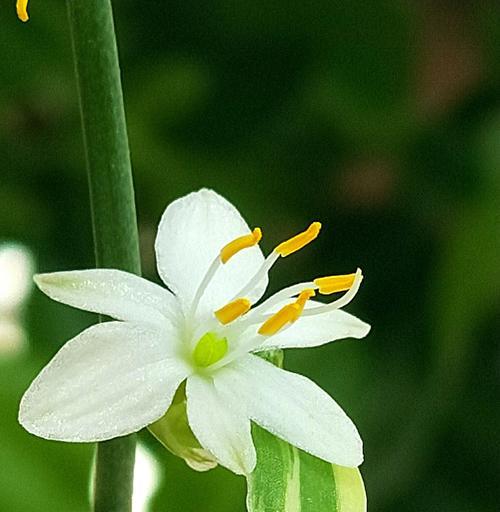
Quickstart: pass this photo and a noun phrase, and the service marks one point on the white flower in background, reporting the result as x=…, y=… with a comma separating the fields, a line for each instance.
x=16, y=270
x=198, y=340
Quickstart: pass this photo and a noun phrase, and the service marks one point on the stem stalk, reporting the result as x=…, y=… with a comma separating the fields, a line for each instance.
x=111, y=198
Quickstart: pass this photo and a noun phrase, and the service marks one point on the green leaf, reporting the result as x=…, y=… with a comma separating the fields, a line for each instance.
x=287, y=479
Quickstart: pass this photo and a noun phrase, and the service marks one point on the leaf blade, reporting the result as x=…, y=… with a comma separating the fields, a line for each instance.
x=287, y=479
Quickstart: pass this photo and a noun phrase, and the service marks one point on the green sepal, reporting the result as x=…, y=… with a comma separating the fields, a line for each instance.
x=173, y=431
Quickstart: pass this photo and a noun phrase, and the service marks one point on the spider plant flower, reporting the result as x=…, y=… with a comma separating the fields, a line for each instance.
x=189, y=350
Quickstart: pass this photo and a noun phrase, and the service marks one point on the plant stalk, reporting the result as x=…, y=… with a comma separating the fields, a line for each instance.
x=111, y=198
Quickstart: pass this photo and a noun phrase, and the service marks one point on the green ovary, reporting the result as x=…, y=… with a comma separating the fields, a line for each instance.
x=209, y=349
x=174, y=432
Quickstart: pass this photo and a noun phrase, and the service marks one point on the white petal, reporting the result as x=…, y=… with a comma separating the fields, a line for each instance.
x=115, y=293
x=312, y=331
x=191, y=234
x=110, y=380
x=293, y=408
x=220, y=425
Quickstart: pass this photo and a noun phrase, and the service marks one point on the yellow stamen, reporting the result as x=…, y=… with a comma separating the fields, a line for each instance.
x=22, y=10
x=334, y=284
x=233, y=310
x=242, y=242
x=303, y=297
x=298, y=241
x=286, y=315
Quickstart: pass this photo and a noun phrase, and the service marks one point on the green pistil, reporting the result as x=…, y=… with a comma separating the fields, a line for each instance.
x=209, y=349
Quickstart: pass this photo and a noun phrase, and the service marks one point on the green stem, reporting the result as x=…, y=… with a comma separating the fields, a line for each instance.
x=111, y=196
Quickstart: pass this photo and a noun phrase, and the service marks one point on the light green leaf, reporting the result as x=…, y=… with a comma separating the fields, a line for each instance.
x=287, y=479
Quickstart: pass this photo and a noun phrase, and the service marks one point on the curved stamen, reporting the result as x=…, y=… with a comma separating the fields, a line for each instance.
x=212, y=270
x=225, y=254
x=272, y=324
x=240, y=243
x=334, y=284
x=299, y=241
x=325, y=286
x=280, y=296
x=22, y=10
x=283, y=249
x=259, y=275
x=339, y=303
x=289, y=314
x=286, y=315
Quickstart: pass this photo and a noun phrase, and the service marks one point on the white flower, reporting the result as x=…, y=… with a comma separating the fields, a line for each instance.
x=117, y=377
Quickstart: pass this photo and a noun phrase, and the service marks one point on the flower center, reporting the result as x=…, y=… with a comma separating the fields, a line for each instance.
x=209, y=349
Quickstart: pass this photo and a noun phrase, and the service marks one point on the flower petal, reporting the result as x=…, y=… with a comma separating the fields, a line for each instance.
x=110, y=380
x=220, y=425
x=312, y=331
x=191, y=233
x=115, y=293
x=293, y=408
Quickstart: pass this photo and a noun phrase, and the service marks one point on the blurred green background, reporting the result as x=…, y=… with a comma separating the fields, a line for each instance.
x=379, y=118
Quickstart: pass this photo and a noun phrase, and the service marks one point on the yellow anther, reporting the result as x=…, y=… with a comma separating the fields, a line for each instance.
x=286, y=315
x=22, y=10
x=233, y=310
x=242, y=242
x=334, y=284
x=299, y=241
